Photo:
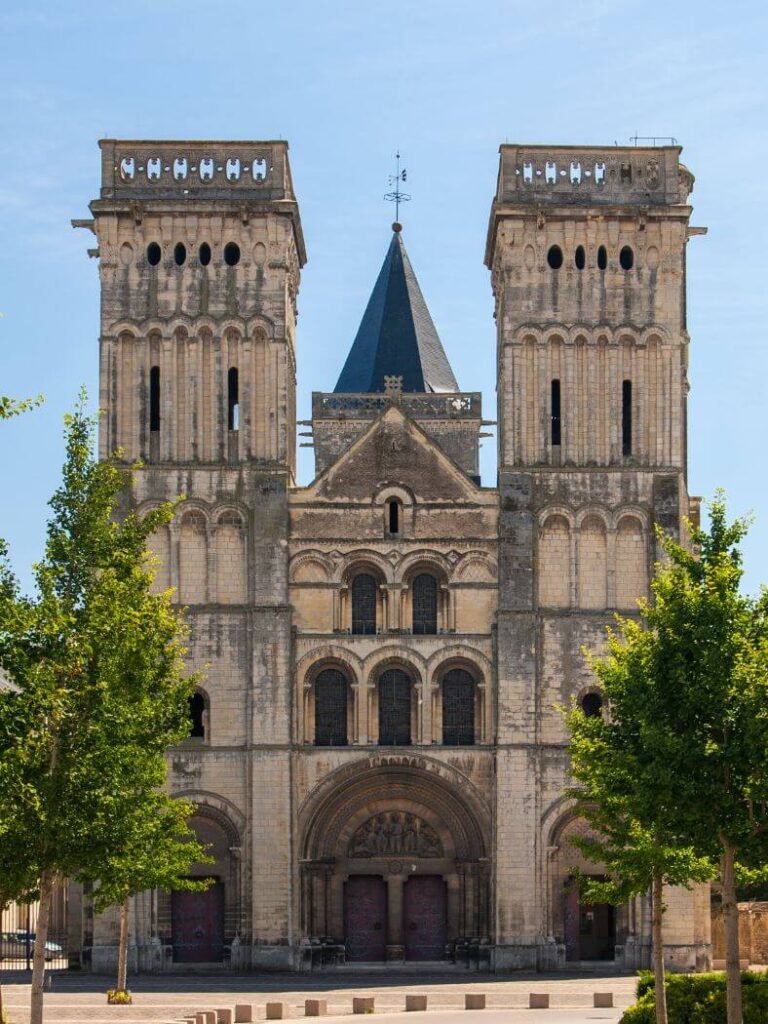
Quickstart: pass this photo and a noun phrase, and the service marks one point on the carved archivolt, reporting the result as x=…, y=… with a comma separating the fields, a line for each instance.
x=396, y=832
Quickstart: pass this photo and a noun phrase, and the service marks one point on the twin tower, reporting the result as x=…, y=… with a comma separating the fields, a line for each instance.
x=375, y=756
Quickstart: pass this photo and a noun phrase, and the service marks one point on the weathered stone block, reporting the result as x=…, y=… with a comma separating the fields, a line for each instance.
x=315, y=1007
x=603, y=999
x=277, y=1011
x=415, y=1002
x=538, y=1001
x=474, y=1001
x=363, y=1004
x=243, y=1013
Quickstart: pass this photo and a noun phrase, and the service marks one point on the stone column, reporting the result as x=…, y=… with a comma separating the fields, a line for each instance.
x=395, y=937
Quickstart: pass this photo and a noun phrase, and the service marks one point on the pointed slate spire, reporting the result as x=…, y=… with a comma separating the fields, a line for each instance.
x=396, y=336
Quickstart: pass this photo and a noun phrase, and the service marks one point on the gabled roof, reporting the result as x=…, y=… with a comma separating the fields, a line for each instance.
x=394, y=448
x=396, y=336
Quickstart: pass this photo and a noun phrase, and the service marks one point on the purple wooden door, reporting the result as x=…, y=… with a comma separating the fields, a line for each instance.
x=424, y=918
x=198, y=925
x=365, y=917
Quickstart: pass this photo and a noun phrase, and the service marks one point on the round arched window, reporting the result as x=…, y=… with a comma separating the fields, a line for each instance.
x=555, y=257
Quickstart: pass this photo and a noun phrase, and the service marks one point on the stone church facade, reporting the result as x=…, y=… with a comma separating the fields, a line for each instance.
x=376, y=755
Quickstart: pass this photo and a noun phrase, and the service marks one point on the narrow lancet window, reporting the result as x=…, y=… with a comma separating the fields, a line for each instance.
x=233, y=400
x=626, y=417
x=154, y=398
x=393, y=517
x=555, y=413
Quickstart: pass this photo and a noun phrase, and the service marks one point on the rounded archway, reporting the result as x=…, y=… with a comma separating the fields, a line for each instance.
x=394, y=860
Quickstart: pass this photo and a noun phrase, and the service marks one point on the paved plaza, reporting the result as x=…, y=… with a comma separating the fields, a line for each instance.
x=160, y=999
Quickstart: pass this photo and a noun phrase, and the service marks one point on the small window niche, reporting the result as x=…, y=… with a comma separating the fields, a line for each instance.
x=555, y=414
x=154, y=399
x=555, y=257
x=602, y=258
x=394, y=518
x=626, y=418
x=592, y=705
x=626, y=258
x=198, y=714
x=233, y=399
x=580, y=258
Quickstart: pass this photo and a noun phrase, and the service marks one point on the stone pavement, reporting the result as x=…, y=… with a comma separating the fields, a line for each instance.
x=75, y=999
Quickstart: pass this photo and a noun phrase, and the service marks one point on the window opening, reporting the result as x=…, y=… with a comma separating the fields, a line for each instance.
x=424, y=604
x=331, y=709
x=394, y=708
x=233, y=400
x=205, y=254
x=626, y=258
x=154, y=398
x=602, y=258
x=180, y=254
x=393, y=517
x=197, y=716
x=580, y=258
x=555, y=257
x=555, y=413
x=458, y=708
x=154, y=254
x=626, y=417
x=364, y=595
x=231, y=254
x=592, y=705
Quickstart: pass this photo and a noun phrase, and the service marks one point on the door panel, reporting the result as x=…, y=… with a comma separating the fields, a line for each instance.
x=424, y=917
x=365, y=917
x=198, y=925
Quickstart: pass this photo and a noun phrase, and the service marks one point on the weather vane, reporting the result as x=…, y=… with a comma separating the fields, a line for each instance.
x=397, y=196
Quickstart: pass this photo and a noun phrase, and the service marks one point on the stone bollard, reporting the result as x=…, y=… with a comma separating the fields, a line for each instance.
x=225, y=1015
x=415, y=1003
x=603, y=999
x=315, y=1007
x=363, y=1004
x=243, y=1013
x=538, y=1001
x=474, y=1001
x=205, y=1017
x=277, y=1011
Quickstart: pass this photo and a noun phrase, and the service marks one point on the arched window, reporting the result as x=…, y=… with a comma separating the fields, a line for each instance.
x=331, y=709
x=231, y=254
x=394, y=708
x=592, y=705
x=458, y=708
x=233, y=399
x=154, y=254
x=393, y=517
x=602, y=257
x=626, y=258
x=580, y=258
x=154, y=398
x=424, y=604
x=555, y=257
x=364, y=596
x=555, y=415
x=180, y=254
x=197, y=716
x=626, y=417
x=204, y=254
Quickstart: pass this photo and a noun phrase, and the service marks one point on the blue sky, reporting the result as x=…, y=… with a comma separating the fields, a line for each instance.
x=347, y=83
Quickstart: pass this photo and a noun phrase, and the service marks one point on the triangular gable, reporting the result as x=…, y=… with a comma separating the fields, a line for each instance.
x=394, y=450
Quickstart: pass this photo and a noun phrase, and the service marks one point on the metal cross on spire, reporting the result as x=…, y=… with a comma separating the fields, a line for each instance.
x=397, y=196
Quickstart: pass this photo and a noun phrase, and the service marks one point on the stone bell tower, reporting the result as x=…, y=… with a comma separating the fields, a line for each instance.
x=586, y=247
x=200, y=249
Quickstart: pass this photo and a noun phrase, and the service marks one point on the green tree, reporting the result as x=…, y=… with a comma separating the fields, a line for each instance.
x=98, y=660
x=615, y=785
x=694, y=673
x=157, y=852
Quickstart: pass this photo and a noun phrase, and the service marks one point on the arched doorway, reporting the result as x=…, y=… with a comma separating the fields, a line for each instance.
x=394, y=861
x=200, y=926
x=586, y=931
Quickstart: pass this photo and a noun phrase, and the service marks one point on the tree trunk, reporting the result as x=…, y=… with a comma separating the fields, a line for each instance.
x=41, y=938
x=657, y=911
x=122, y=952
x=731, y=927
